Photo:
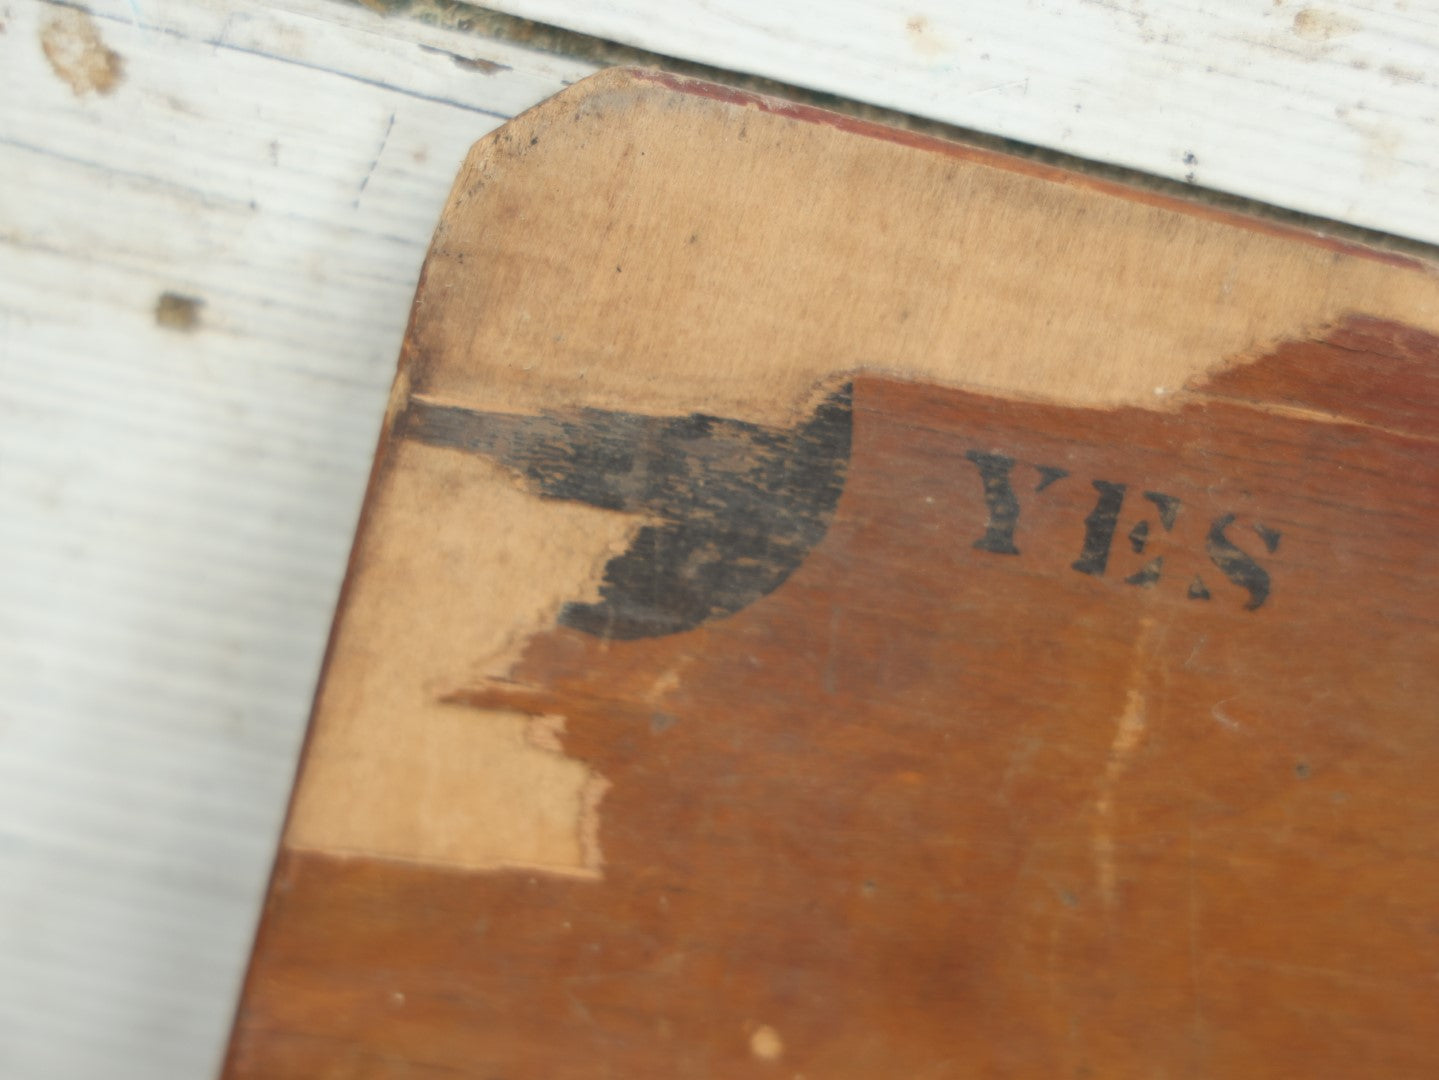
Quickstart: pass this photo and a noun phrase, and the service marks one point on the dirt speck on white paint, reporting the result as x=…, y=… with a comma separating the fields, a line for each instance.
x=78, y=55
x=1402, y=74
x=1382, y=143
x=1316, y=24
x=923, y=39
x=175, y=311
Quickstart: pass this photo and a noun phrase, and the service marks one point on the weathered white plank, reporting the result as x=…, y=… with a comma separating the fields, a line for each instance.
x=178, y=504
x=1330, y=107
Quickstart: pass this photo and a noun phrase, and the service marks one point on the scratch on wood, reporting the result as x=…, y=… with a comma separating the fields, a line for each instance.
x=1221, y=716
x=384, y=141
x=468, y=63
x=1129, y=732
x=1024, y=82
x=1197, y=1018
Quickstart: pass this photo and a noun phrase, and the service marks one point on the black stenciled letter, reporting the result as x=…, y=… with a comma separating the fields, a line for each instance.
x=1149, y=573
x=999, y=497
x=1099, y=528
x=1235, y=564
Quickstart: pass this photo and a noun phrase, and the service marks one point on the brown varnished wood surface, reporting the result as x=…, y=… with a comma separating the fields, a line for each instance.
x=935, y=810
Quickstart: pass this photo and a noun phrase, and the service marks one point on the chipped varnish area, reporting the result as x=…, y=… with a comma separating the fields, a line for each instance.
x=932, y=808
x=1364, y=371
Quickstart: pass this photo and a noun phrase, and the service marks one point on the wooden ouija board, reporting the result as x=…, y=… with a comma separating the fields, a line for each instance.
x=832, y=603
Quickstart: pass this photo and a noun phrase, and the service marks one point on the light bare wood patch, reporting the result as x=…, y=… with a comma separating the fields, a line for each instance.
x=395, y=770
x=728, y=258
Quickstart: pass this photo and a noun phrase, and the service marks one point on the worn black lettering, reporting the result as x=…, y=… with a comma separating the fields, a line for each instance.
x=1168, y=507
x=1099, y=528
x=1048, y=474
x=1197, y=589
x=1001, y=501
x=1138, y=537
x=1235, y=564
x=1270, y=538
x=1148, y=574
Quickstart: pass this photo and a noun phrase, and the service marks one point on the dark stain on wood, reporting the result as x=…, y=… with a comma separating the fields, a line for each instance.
x=738, y=505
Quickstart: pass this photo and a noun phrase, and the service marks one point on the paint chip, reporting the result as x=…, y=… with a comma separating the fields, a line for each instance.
x=479, y=64
x=766, y=1044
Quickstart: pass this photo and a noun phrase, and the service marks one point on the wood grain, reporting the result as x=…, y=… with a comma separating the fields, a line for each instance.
x=1086, y=731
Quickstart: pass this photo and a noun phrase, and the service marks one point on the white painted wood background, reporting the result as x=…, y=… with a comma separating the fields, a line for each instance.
x=1330, y=107
x=176, y=505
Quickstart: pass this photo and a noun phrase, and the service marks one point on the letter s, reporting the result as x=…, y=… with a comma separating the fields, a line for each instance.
x=1235, y=564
